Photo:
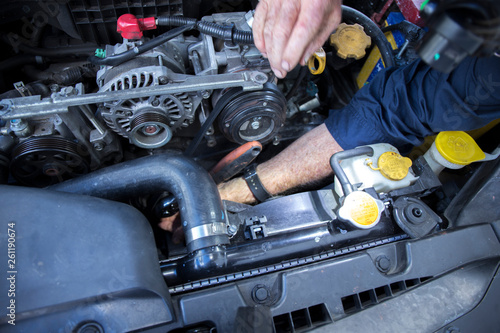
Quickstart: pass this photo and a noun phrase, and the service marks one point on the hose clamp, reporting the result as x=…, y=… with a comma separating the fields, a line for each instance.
x=206, y=230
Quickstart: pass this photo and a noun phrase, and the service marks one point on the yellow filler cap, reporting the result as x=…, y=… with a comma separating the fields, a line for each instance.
x=458, y=147
x=350, y=41
x=393, y=166
x=361, y=209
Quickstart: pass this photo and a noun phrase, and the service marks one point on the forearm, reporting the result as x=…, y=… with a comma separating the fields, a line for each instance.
x=305, y=161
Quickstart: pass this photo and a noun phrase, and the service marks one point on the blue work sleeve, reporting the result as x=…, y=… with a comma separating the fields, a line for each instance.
x=404, y=105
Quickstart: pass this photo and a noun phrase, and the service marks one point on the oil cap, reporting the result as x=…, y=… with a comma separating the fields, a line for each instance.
x=361, y=209
x=350, y=41
x=458, y=147
x=393, y=166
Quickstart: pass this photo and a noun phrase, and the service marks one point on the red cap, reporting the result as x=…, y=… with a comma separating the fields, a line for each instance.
x=131, y=27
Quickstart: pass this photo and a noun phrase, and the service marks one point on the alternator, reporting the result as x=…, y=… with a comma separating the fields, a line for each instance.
x=148, y=122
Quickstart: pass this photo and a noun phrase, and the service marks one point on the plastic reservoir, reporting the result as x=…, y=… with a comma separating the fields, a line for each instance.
x=385, y=171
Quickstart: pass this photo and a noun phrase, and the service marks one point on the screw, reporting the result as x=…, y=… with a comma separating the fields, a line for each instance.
x=232, y=229
x=255, y=125
x=276, y=140
x=205, y=94
x=260, y=293
x=155, y=102
x=383, y=263
x=54, y=87
x=417, y=212
x=68, y=91
x=151, y=129
x=163, y=80
x=98, y=146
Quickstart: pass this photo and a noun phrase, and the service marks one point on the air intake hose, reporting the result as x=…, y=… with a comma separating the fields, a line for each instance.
x=196, y=193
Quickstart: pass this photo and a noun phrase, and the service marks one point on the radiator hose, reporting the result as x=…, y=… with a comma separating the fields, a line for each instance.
x=196, y=193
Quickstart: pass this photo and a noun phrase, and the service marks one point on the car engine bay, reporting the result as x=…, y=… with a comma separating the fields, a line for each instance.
x=119, y=116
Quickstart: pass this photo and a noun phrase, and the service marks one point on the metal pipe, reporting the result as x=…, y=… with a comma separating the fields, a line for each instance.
x=196, y=193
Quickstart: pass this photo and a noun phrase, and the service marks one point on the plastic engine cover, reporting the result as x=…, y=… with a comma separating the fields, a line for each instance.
x=80, y=263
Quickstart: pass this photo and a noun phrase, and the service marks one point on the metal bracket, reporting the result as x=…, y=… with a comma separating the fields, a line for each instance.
x=59, y=102
x=255, y=228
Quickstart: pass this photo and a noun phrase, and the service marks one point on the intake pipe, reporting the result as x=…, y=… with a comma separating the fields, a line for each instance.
x=199, y=202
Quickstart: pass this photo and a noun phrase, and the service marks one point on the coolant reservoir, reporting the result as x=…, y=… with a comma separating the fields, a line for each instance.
x=454, y=150
x=385, y=171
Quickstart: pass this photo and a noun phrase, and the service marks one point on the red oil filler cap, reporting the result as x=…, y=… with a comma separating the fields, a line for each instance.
x=130, y=27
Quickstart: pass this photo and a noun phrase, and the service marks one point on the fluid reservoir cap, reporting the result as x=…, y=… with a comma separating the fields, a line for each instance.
x=350, y=41
x=394, y=166
x=458, y=147
x=361, y=209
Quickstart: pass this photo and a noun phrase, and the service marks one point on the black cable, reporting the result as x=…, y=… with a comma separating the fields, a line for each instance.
x=298, y=80
x=120, y=58
x=373, y=31
x=226, y=32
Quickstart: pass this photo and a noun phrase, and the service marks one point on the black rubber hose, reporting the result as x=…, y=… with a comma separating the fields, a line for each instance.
x=229, y=33
x=19, y=60
x=339, y=172
x=175, y=21
x=373, y=31
x=196, y=193
x=120, y=58
x=61, y=52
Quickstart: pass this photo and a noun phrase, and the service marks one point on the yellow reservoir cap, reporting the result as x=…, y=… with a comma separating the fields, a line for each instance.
x=350, y=41
x=361, y=209
x=458, y=147
x=393, y=166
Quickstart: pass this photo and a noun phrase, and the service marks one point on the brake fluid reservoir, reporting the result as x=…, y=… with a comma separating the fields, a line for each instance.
x=385, y=171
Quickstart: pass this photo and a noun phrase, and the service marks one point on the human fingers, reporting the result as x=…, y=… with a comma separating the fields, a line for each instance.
x=330, y=23
x=317, y=19
x=274, y=7
x=287, y=16
x=170, y=223
x=258, y=26
x=178, y=235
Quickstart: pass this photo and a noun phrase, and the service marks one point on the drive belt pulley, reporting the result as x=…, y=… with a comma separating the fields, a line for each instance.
x=43, y=161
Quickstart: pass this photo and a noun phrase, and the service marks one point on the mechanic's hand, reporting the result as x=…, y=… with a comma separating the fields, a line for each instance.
x=173, y=225
x=290, y=31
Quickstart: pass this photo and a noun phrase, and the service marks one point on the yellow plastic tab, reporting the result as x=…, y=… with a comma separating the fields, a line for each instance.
x=458, y=147
x=319, y=57
x=394, y=166
x=362, y=207
x=350, y=41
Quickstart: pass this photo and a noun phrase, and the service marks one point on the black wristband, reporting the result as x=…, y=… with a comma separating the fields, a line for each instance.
x=253, y=182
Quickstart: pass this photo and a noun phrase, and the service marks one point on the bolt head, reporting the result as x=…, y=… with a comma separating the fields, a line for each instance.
x=255, y=125
x=383, y=263
x=98, y=146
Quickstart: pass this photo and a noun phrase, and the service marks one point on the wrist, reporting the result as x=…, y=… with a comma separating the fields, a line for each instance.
x=255, y=185
x=236, y=190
